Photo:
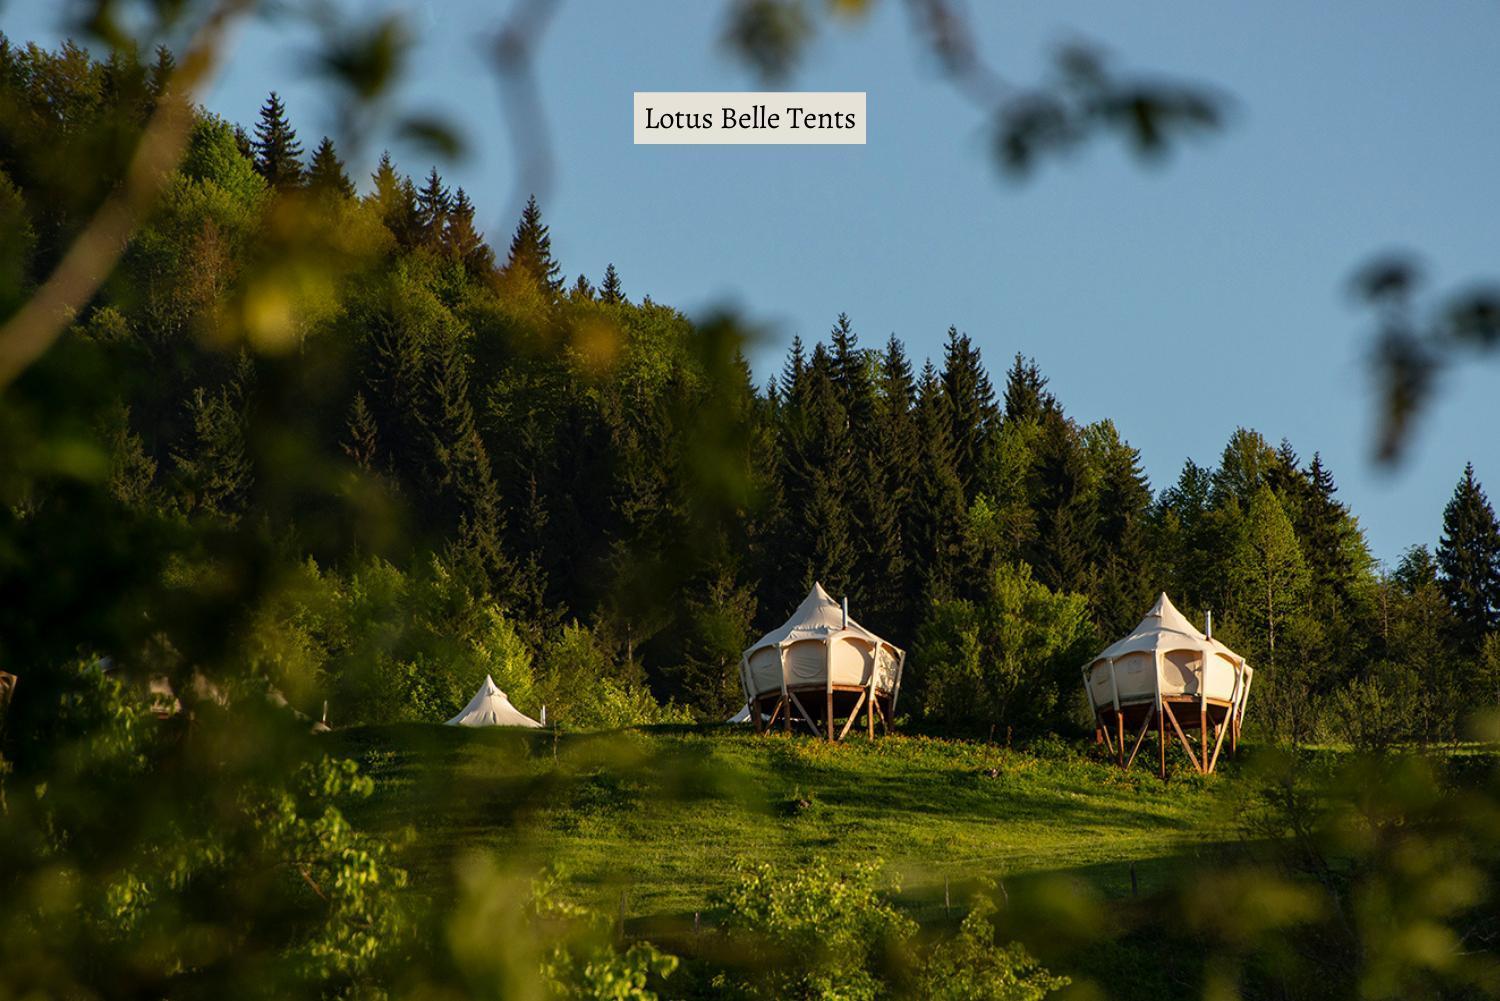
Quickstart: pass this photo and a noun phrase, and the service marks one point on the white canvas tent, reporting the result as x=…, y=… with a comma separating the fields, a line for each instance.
x=820, y=665
x=1168, y=673
x=490, y=707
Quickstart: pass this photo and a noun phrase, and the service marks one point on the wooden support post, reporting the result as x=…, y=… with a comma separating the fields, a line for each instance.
x=870, y=711
x=1203, y=735
x=1161, y=741
x=853, y=716
x=1120, y=737
x=1141, y=737
x=830, y=711
x=1220, y=741
x=806, y=716
x=1177, y=728
x=776, y=711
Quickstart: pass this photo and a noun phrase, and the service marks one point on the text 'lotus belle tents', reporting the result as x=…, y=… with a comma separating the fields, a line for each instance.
x=1168, y=673
x=490, y=707
x=820, y=666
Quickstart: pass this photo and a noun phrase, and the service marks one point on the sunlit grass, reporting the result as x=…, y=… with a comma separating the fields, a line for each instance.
x=663, y=816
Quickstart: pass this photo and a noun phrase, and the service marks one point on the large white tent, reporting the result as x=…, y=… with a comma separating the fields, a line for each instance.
x=820, y=665
x=490, y=707
x=1167, y=672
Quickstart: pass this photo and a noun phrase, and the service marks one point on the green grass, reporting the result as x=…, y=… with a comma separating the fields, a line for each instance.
x=663, y=815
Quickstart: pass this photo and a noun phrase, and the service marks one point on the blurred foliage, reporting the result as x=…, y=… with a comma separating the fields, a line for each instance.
x=1419, y=334
x=267, y=443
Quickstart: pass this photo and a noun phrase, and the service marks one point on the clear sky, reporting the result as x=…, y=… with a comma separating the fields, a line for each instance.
x=1180, y=300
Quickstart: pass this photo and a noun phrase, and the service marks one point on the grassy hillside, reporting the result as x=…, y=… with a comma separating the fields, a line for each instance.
x=663, y=815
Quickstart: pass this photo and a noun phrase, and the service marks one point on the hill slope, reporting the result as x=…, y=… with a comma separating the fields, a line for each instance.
x=663, y=815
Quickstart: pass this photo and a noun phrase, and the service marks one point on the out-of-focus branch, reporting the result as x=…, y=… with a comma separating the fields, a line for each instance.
x=513, y=53
x=96, y=250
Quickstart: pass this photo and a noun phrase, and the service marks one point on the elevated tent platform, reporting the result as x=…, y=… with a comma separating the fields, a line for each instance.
x=820, y=667
x=1168, y=676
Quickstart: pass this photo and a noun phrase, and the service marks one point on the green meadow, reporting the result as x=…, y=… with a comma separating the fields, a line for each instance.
x=663, y=816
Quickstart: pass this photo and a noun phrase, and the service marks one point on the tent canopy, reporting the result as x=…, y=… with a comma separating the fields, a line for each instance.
x=490, y=707
x=1166, y=656
x=818, y=617
x=1165, y=628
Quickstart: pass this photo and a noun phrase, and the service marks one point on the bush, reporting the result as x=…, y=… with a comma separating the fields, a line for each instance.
x=1004, y=660
x=809, y=932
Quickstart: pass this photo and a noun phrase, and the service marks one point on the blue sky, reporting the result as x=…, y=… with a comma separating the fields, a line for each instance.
x=1180, y=299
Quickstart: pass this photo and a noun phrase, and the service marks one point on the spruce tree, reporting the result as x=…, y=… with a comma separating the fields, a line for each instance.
x=937, y=514
x=243, y=144
x=971, y=408
x=1026, y=395
x=360, y=435
x=531, y=250
x=817, y=468
x=395, y=199
x=610, y=290
x=434, y=203
x=325, y=174
x=465, y=242
x=278, y=154
x=852, y=377
x=1468, y=558
x=583, y=290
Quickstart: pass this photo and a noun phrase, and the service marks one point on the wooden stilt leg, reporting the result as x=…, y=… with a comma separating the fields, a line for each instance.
x=786, y=717
x=830, y=714
x=755, y=715
x=1161, y=741
x=870, y=714
x=1203, y=737
x=1120, y=737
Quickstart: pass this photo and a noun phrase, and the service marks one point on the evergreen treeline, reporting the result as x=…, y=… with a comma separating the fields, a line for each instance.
x=578, y=490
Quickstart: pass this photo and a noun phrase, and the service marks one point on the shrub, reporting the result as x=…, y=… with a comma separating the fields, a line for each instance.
x=1005, y=659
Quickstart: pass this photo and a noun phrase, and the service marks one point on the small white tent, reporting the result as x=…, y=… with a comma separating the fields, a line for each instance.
x=818, y=666
x=490, y=707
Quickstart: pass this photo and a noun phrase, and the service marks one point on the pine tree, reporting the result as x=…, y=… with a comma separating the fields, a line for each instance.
x=325, y=175
x=1122, y=576
x=434, y=203
x=582, y=290
x=161, y=72
x=851, y=375
x=468, y=498
x=531, y=250
x=937, y=514
x=278, y=154
x=465, y=242
x=817, y=468
x=395, y=199
x=1066, y=546
x=214, y=466
x=1026, y=395
x=791, y=376
x=894, y=454
x=1468, y=558
x=360, y=434
x=610, y=290
x=971, y=408
x=243, y=144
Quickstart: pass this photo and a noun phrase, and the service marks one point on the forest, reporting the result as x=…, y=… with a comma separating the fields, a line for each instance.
x=453, y=460
x=277, y=436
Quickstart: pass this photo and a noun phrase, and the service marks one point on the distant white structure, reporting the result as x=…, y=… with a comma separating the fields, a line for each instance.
x=1168, y=673
x=490, y=707
x=818, y=666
